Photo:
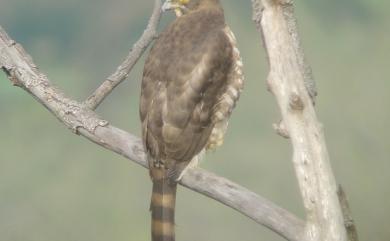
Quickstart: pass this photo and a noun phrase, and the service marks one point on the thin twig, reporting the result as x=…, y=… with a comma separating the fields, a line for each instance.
x=124, y=69
x=17, y=64
x=288, y=80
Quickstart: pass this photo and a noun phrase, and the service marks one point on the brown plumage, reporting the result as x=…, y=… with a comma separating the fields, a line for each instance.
x=192, y=79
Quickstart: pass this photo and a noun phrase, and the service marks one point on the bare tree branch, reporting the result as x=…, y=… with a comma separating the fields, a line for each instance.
x=288, y=80
x=20, y=69
x=124, y=69
x=348, y=220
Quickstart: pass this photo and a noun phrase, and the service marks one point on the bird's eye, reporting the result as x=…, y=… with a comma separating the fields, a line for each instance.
x=184, y=1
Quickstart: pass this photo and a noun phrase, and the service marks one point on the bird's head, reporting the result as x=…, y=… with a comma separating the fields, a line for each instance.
x=183, y=6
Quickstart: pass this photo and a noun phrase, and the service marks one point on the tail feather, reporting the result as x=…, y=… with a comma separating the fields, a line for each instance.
x=163, y=210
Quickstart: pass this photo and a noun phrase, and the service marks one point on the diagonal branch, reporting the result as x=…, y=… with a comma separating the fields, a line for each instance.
x=124, y=69
x=20, y=69
x=289, y=80
x=349, y=223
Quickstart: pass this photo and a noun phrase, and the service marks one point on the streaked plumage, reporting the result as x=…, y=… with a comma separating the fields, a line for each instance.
x=192, y=79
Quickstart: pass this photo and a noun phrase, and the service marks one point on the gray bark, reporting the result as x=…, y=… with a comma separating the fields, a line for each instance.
x=291, y=82
x=79, y=118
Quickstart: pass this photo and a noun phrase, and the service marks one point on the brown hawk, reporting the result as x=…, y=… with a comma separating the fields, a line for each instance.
x=191, y=81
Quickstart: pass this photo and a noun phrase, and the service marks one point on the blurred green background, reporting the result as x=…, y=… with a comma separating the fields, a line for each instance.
x=57, y=186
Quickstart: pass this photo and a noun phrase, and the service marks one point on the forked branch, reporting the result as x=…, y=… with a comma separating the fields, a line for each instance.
x=124, y=69
x=21, y=70
x=291, y=82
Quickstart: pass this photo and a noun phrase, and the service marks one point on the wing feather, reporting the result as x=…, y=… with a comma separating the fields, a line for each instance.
x=186, y=78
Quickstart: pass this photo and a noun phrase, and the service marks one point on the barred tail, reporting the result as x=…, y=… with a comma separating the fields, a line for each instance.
x=163, y=210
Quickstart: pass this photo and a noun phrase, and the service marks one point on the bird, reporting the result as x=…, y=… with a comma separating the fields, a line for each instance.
x=191, y=82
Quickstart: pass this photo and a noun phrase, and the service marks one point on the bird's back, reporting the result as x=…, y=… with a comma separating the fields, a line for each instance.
x=184, y=75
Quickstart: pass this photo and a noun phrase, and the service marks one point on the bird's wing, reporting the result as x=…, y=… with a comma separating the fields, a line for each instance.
x=229, y=97
x=181, y=85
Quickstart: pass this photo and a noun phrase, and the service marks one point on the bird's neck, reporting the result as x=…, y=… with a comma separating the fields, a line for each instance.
x=211, y=7
x=210, y=4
